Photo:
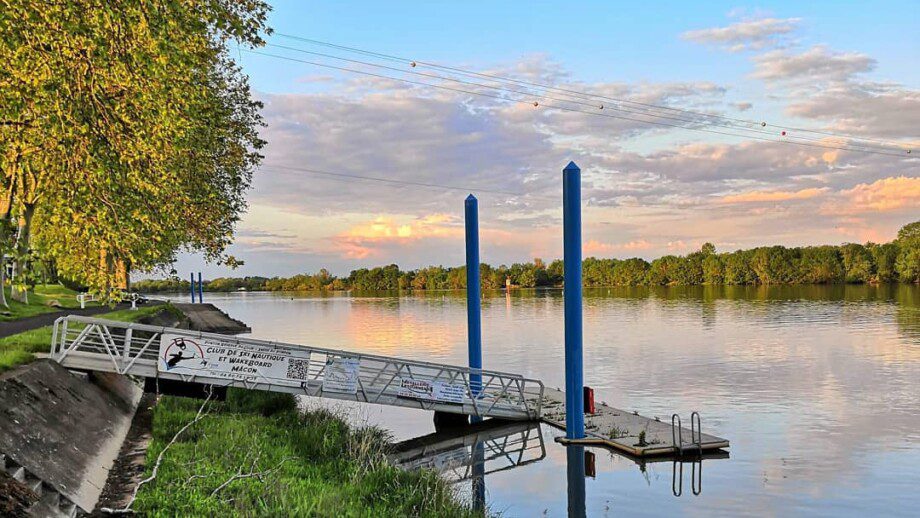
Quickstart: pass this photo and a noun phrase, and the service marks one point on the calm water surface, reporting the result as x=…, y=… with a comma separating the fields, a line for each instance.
x=818, y=389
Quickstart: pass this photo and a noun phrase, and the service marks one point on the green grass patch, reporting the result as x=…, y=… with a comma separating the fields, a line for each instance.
x=19, y=349
x=309, y=464
x=39, y=301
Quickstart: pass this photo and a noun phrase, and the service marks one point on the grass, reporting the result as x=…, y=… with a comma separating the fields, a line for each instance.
x=38, y=301
x=19, y=349
x=311, y=464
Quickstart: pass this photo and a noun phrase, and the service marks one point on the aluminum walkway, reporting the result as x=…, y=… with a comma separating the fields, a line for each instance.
x=85, y=343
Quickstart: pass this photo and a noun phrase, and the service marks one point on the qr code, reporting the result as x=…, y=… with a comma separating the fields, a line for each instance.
x=297, y=369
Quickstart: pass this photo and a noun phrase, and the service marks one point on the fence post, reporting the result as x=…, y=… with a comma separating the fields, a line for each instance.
x=192, y=286
x=200, y=289
x=574, y=377
x=473, y=295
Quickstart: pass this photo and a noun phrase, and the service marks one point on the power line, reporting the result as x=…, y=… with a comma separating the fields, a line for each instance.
x=350, y=176
x=520, y=92
x=582, y=95
x=502, y=98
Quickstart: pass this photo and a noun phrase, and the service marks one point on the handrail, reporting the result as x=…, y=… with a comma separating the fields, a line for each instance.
x=131, y=348
x=274, y=343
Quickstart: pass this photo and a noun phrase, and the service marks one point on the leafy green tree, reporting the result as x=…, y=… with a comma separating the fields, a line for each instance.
x=857, y=260
x=713, y=272
x=126, y=130
x=908, y=262
x=885, y=257
x=820, y=265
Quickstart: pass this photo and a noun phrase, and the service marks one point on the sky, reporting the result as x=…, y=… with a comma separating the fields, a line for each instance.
x=837, y=67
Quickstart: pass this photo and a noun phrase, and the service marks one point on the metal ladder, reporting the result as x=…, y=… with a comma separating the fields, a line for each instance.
x=696, y=434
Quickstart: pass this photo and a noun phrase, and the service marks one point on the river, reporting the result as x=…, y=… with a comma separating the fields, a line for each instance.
x=816, y=387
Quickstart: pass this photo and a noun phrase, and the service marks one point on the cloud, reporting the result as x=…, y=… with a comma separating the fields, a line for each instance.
x=885, y=195
x=647, y=190
x=742, y=106
x=367, y=239
x=595, y=247
x=864, y=108
x=816, y=64
x=772, y=196
x=745, y=35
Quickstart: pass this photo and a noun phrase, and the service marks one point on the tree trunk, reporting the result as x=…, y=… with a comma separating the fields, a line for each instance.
x=20, y=289
x=3, y=277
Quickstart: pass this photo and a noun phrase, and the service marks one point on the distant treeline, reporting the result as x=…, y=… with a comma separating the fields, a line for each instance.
x=898, y=261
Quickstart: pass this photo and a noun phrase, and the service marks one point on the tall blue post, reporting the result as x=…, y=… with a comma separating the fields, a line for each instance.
x=574, y=377
x=473, y=295
x=192, y=286
x=200, y=289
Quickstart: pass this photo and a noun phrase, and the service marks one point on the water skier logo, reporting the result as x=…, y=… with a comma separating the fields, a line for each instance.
x=184, y=351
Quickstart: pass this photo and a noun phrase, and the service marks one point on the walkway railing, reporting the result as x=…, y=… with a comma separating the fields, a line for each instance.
x=86, y=343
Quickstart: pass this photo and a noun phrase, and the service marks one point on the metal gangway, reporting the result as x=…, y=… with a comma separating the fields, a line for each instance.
x=182, y=355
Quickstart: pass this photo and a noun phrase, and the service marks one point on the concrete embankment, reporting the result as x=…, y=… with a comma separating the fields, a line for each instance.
x=62, y=434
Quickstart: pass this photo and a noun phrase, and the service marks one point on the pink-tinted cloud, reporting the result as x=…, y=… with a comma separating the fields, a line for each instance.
x=773, y=196
x=599, y=248
x=885, y=195
x=365, y=240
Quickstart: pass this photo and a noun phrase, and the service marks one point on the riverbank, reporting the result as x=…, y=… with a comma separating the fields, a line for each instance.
x=21, y=348
x=257, y=454
x=44, y=298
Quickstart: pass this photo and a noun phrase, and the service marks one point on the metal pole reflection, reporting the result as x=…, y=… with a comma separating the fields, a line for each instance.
x=575, y=469
x=479, y=477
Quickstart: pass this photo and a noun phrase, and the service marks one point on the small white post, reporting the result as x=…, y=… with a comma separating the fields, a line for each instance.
x=82, y=298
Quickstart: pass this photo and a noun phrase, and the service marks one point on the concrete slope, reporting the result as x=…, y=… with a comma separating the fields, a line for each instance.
x=63, y=430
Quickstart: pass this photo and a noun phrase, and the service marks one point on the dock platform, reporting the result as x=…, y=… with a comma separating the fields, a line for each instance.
x=620, y=429
x=207, y=317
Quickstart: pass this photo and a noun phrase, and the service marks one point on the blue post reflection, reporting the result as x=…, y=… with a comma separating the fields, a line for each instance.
x=479, y=477
x=575, y=469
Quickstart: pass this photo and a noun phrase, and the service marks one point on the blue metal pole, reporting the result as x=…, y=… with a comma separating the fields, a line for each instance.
x=192, y=286
x=574, y=378
x=473, y=295
x=200, y=289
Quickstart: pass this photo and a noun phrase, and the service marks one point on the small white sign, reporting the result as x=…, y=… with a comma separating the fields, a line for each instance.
x=217, y=359
x=341, y=375
x=431, y=390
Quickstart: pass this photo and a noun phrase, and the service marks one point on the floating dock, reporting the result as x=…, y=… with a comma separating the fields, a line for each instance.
x=621, y=429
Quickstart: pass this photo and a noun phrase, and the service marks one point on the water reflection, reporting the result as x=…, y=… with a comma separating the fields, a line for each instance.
x=470, y=453
x=816, y=386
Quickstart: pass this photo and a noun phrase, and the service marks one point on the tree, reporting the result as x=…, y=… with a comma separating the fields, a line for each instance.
x=908, y=262
x=128, y=133
x=885, y=257
x=857, y=260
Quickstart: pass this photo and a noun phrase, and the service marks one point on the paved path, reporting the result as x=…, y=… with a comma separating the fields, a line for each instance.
x=46, y=319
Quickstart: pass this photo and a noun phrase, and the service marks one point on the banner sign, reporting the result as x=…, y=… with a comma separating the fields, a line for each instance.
x=431, y=390
x=341, y=375
x=210, y=357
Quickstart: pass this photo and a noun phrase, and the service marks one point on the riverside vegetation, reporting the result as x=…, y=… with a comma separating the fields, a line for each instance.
x=256, y=454
x=897, y=261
